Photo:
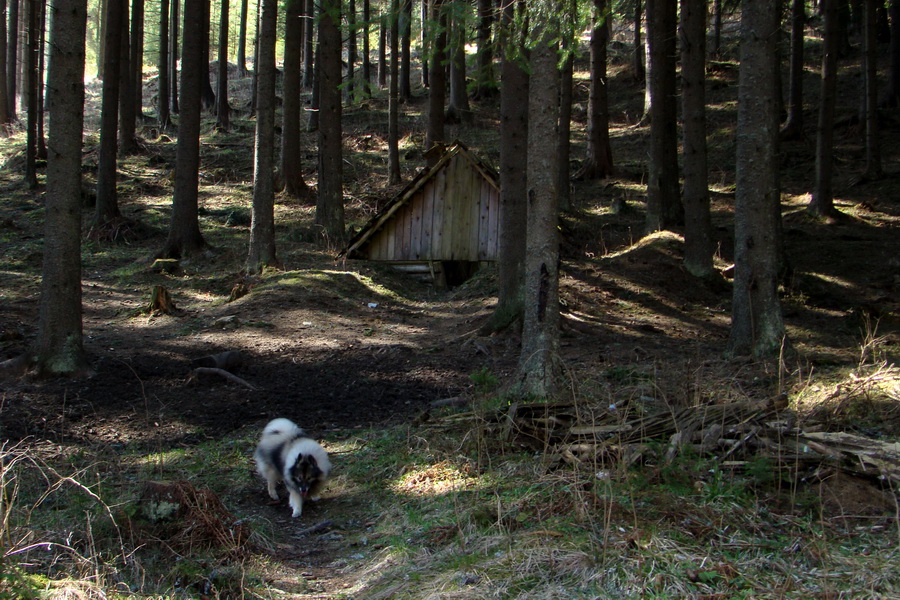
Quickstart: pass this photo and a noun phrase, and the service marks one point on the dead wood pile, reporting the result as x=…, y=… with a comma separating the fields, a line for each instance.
x=732, y=433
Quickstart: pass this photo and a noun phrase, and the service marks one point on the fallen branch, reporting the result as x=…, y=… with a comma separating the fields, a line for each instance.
x=214, y=371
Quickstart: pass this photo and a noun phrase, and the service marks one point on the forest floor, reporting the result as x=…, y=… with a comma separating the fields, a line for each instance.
x=356, y=353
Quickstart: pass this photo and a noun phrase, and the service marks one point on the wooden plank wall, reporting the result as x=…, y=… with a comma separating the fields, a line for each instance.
x=454, y=216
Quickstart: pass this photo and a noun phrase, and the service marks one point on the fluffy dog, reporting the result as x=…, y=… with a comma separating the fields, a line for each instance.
x=285, y=454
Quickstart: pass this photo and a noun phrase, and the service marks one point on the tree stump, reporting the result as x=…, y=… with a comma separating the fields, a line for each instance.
x=161, y=301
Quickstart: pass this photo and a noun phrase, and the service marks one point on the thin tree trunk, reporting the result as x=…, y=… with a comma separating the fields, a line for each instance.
x=383, y=68
x=291, y=166
x=162, y=95
x=434, y=133
x=366, y=59
x=698, y=241
x=127, y=125
x=485, y=82
x=309, y=53
x=223, y=110
x=12, y=58
x=137, y=56
x=351, y=50
x=873, y=149
x=598, y=163
x=458, y=109
x=822, y=202
x=173, y=55
x=405, y=42
x=637, y=57
x=5, y=120
x=31, y=91
x=242, y=40
x=262, y=227
x=107, y=207
x=793, y=125
x=394, y=176
x=564, y=147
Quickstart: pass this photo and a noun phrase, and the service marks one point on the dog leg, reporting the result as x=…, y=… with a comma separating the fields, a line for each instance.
x=296, y=503
x=273, y=493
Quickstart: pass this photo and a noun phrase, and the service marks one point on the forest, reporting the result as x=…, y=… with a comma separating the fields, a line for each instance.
x=665, y=368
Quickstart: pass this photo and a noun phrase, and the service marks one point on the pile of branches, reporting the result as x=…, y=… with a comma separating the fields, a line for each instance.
x=732, y=433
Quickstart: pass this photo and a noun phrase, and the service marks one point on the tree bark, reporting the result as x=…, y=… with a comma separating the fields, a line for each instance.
x=539, y=363
x=394, y=176
x=173, y=55
x=32, y=48
x=664, y=209
x=309, y=53
x=5, y=120
x=12, y=58
x=405, y=42
x=137, y=56
x=822, y=202
x=698, y=241
x=437, y=95
x=349, y=88
x=223, y=110
x=366, y=59
x=330, y=204
x=107, y=207
x=513, y=188
x=757, y=327
x=242, y=39
x=127, y=116
x=598, y=163
x=873, y=142
x=458, y=109
x=793, y=125
x=291, y=163
x=262, y=227
x=184, y=238
x=485, y=82
x=58, y=348
x=163, y=116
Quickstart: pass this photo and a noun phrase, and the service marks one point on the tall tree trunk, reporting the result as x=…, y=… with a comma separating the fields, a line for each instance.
x=262, y=227
x=822, y=202
x=366, y=58
x=107, y=207
x=485, y=82
x=793, y=125
x=162, y=96
x=5, y=119
x=173, y=55
x=12, y=58
x=291, y=166
x=137, y=56
x=58, y=348
x=31, y=91
x=599, y=162
x=458, y=109
x=41, y=142
x=873, y=150
x=757, y=327
x=424, y=42
x=405, y=42
x=207, y=97
x=330, y=205
x=664, y=209
x=383, y=25
x=539, y=363
x=434, y=133
x=351, y=50
x=127, y=116
x=242, y=40
x=892, y=90
x=637, y=56
x=223, y=110
x=698, y=241
x=717, y=28
x=185, y=239
x=513, y=187
x=394, y=176
x=564, y=146
x=309, y=52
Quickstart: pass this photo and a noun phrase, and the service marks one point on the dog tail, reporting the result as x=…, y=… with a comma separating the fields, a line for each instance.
x=283, y=429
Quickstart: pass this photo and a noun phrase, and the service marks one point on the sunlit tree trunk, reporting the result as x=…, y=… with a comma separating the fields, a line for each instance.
x=12, y=58
x=137, y=56
x=405, y=43
x=5, y=119
x=242, y=39
x=173, y=55
x=32, y=48
x=58, y=349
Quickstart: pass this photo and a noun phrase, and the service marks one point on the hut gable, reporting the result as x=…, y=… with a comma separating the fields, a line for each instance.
x=450, y=212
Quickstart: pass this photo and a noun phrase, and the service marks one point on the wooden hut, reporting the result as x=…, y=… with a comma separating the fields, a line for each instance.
x=442, y=226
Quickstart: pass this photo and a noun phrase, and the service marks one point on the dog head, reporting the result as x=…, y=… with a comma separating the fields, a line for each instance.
x=306, y=473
